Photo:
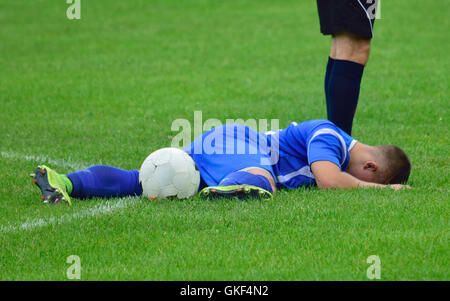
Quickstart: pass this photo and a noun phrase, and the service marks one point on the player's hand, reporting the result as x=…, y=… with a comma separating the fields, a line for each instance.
x=399, y=186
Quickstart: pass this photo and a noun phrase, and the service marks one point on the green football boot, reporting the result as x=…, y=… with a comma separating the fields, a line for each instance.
x=55, y=187
x=235, y=191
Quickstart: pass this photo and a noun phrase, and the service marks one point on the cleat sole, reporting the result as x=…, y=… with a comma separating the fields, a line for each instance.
x=236, y=191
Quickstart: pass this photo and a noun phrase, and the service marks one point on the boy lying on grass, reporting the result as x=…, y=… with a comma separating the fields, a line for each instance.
x=236, y=161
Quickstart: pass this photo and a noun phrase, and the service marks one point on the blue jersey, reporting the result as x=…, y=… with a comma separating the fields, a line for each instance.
x=302, y=144
x=287, y=154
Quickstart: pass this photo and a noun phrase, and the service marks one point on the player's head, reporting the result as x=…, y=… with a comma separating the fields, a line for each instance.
x=384, y=164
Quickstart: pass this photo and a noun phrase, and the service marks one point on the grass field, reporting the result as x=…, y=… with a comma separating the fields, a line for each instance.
x=106, y=88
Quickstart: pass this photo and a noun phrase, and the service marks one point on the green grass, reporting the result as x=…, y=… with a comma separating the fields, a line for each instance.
x=105, y=89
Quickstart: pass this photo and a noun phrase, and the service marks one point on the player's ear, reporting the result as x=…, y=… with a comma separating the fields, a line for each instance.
x=371, y=166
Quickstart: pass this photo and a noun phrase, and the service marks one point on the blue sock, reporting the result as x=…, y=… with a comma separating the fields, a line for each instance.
x=105, y=182
x=243, y=177
x=343, y=93
x=327, y=79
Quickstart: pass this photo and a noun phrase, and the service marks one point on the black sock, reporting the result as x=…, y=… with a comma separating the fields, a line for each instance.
x=343, y=93
x=327, y=79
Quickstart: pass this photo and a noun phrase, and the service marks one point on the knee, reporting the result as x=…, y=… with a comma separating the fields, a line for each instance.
x=352, y=48
x=264, y=173
x=252, y=176
x=362, y=52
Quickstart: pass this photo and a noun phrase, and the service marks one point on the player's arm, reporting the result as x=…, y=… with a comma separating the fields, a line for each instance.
x=329, y=175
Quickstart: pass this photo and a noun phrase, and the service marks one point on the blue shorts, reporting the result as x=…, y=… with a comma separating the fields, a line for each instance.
x=228, y=148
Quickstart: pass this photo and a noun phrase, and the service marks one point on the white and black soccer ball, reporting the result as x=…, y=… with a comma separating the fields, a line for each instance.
x=169, y=172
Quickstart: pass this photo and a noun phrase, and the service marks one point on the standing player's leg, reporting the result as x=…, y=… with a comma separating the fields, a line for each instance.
x=351, y=28
x=242, y=184
x=352, y=53
x=96, y=181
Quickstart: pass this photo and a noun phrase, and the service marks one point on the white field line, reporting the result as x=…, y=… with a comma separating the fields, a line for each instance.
x=102, y=208
x=64, y=163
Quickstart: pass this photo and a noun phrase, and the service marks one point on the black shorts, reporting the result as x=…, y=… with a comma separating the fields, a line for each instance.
x=354, y=16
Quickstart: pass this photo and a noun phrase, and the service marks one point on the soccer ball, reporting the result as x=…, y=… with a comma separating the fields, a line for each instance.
x=169, y=172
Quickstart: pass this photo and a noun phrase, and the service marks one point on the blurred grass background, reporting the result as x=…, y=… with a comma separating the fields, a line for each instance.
x=106, y=88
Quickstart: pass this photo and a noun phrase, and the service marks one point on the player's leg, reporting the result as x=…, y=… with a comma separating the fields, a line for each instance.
x=105, y=182
x=351, y=55
x=350, y=47
x=96, y=181
x=253, y=182
x=351, y=27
